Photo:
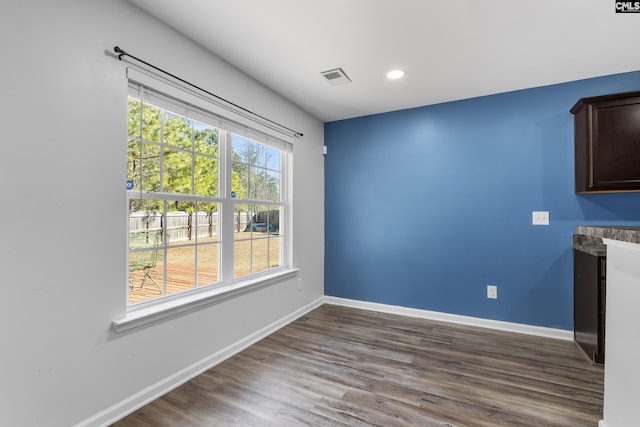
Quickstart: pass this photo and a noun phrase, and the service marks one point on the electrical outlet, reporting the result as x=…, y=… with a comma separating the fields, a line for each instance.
x=540, y=218
x=492, y=292
x=299, y=283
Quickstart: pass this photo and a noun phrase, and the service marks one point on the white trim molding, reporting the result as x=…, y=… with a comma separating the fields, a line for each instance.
x=520, y=328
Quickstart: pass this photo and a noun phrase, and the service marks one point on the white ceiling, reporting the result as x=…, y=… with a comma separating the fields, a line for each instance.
x=450, y=49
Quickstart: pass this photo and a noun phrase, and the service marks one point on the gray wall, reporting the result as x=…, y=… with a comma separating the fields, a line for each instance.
x=63, y=151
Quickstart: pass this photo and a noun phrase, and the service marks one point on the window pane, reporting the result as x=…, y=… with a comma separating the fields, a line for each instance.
x=274, y=251
x=239, y=148
x=177, y=172
x=180, y=226
x=257, y=184
x=257, y=246
x=205, y=139
x=273, y=158
x=241, y=258
x=257, y=154
x=151, y=123
x=260, y=252
x=264, y=220
x=150, y=175
x=240, y=180
x=274, y=220
x=255, y=171
x=258, y=220
x=206, y=176
x=240, y=219
x=181, y=269
x=207, y=222
x=208, y=262
x=145, y=264
x=177, y=131
x=273, y=186
x=133, y=118
x=145, y=215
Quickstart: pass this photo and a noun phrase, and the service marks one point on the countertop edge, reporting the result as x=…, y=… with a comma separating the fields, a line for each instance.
x=589, y=245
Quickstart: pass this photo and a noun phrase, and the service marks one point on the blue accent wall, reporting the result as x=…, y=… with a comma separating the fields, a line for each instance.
x=427, y=206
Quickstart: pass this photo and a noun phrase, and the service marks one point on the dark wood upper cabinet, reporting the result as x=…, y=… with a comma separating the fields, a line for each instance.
x=607, y=143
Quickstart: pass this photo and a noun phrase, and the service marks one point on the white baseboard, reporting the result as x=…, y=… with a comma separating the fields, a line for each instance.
x=602, y=423
x=154, y=391
x=454, y=318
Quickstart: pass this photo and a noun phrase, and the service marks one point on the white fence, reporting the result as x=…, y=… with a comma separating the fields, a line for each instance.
x=184, y=225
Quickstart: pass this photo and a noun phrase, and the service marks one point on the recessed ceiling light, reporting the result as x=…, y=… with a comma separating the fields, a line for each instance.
x=395, y=74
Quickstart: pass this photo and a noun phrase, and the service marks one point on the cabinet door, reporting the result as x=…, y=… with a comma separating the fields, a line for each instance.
x=615, y=147
x=607, y=143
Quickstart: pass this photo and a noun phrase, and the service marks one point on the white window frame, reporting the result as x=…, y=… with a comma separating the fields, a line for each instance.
x=181, y=100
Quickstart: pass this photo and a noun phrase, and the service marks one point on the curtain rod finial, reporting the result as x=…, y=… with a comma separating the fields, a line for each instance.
x=120, y=52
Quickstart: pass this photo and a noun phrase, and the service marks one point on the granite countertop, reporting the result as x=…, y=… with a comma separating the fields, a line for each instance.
x=622, y=233
x=588, y=238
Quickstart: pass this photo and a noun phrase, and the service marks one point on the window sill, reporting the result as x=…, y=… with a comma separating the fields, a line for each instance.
x=144, y=316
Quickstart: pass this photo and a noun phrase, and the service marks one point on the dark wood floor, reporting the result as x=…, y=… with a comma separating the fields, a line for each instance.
x=341, y=366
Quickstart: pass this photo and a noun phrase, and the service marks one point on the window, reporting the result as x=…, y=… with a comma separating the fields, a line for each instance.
x=256, y=172
x=206, y=202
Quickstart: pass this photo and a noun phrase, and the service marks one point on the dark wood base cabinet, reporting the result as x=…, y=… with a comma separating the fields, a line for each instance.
x=589, y=289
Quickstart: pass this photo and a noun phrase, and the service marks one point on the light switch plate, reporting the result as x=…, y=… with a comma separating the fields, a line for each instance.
x=540, y=218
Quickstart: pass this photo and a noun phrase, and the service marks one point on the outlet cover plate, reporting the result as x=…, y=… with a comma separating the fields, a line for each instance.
x=492, y=292
x=540, y=218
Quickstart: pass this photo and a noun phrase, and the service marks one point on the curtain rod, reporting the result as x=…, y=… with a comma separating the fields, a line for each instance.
x=121, y=53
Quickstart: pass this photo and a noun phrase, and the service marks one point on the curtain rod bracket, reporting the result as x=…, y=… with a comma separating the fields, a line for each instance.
x=121, y=53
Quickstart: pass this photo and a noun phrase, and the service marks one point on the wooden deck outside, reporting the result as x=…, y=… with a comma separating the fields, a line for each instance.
x=179, y=278
x=253, y=252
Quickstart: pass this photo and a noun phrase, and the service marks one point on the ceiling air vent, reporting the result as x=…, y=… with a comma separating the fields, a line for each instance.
x=336, y=77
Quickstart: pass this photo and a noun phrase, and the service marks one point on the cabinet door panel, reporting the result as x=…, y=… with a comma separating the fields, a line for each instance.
x=607, y=143
x=616, y=146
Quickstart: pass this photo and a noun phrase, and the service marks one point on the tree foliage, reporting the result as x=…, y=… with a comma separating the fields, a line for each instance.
x=170, y=153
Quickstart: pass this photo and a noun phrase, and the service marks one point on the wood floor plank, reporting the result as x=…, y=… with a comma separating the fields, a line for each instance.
x=339, y=366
